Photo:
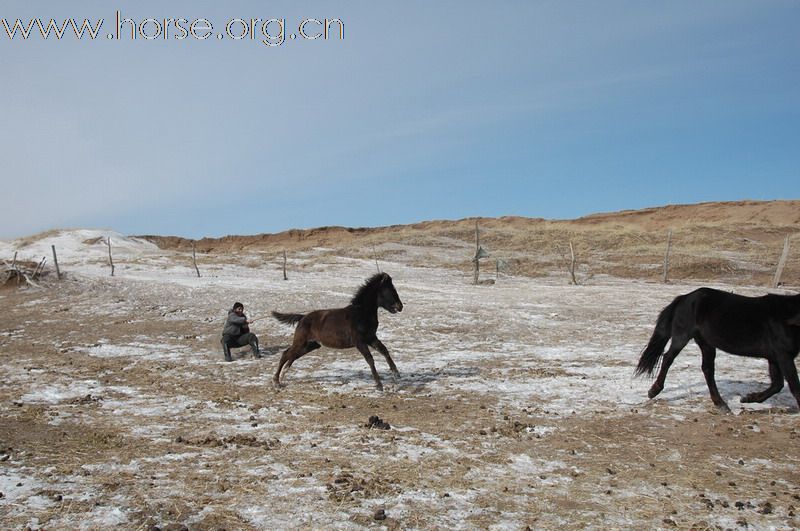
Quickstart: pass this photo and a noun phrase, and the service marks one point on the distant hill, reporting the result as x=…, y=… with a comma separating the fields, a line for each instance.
x=736, y=242
x=759, y=213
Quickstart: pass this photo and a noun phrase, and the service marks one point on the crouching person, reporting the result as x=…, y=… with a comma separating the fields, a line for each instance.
x=237, y=332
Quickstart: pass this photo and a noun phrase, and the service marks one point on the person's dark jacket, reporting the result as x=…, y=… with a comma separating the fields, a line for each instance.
x=236, y=325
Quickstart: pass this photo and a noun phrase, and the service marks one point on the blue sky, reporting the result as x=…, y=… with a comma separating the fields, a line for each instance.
x=425, y=110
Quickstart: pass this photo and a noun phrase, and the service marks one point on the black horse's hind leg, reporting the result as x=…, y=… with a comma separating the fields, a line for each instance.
x=776, y=379
x=364, y=350
x=786, y=364
x=709, y=355
x=675, y=347
x=383, y=350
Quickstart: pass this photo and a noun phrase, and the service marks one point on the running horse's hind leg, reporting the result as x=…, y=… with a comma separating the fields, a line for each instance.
x=290, y=355
x=786, y=364
x=676, y=345
x=308, y=347
x=709, y=355
x=776, y=384
x=383, y=350
x=286, y=356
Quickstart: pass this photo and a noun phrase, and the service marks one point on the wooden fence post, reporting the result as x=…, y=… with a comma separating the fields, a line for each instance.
x=574, y=281
x=666, y=257
x=194, y=260
x=14, y=262
x=110, y=259
x=499, y=264
x=375, y=254
x=55, y=261
x=477, y=267
x=781, y=263
x=39, y=268
x=284, y=266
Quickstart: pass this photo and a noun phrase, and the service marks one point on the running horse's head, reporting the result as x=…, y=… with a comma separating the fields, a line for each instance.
x=388, y=299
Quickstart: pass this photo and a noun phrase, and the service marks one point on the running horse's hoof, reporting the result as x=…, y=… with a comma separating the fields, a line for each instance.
x=723, y=408
x=653, y=392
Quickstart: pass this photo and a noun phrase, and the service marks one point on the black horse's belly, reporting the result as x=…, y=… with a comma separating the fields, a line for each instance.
x=742, y=326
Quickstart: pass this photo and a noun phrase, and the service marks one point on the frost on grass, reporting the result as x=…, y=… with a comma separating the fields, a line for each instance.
x=515, y=407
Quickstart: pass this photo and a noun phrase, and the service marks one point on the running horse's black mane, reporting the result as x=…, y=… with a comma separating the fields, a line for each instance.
x=365, y=294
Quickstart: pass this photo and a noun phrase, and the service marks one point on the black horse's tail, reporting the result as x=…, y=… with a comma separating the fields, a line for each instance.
x=288, y=318
x=652, y=353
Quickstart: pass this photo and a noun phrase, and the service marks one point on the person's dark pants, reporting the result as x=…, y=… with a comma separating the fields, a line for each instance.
x=229, y=342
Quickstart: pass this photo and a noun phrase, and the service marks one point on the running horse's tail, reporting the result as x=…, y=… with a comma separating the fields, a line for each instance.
x=288, y=318
x=652, y=353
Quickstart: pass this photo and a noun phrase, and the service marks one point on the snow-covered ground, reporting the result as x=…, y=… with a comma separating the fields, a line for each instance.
x=496, y=383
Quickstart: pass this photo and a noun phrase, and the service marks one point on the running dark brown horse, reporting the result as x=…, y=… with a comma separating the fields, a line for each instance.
x=760, y=327
x=352, y=326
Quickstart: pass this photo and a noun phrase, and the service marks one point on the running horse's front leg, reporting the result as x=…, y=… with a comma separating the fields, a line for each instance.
x=364, y=350
x=383, y=350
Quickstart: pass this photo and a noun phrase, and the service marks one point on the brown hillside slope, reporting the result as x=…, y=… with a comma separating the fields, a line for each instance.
x=736, y=242
x=760, y=213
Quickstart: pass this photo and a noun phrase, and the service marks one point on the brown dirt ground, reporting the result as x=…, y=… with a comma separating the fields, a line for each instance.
x=603, y=458
x=600, y=459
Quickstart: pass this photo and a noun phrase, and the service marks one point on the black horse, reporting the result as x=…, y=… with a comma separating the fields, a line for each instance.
x=352, y=326
x=761, y=327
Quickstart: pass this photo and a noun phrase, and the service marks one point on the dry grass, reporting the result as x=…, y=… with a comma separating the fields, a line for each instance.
x=736, y=242
x=649, y=466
